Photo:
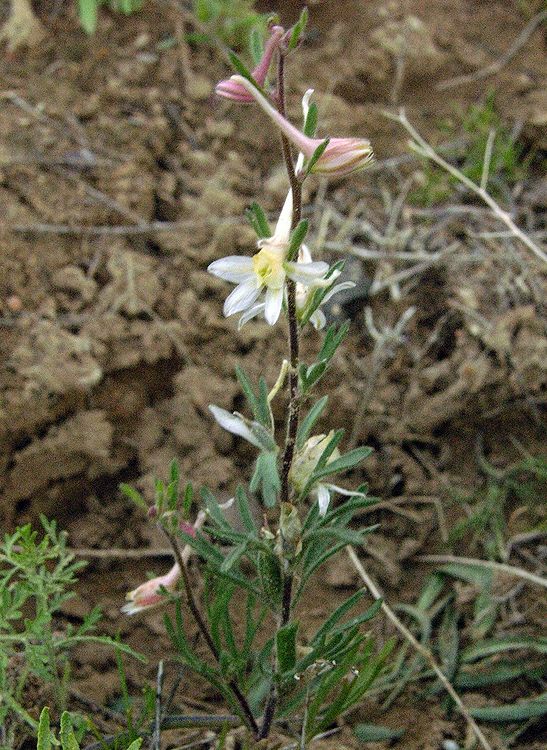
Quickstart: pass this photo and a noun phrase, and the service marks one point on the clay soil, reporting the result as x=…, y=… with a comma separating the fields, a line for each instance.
x=112, y=340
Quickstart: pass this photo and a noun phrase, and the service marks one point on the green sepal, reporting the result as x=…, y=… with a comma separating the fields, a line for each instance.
x=317, y=154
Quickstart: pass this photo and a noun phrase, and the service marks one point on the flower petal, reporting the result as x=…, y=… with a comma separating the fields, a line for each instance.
x=337, y=288
x=234, y=268
x=149, y=594
x=274, y=302
x=283, y=227
x=242, y=297
x=234, y=424
x=343, y=491
x=318, y=320
x=308, y=273
x=323, y=499
x=252, y=312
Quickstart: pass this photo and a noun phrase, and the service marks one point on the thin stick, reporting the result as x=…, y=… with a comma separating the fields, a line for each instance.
x=422, y=147
x=501, y=567
x=204, y=630
x=105, y=229
x=420, y=648
x=124, y=554
x=155, y=743
x=501, y=62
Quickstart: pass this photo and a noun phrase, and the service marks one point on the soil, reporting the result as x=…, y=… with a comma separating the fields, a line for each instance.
x=112, y=339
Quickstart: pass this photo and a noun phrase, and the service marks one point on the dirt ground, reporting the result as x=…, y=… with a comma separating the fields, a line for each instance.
x=112, y=340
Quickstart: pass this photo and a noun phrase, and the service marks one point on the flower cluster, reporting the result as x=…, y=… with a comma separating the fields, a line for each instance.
x=261, y=279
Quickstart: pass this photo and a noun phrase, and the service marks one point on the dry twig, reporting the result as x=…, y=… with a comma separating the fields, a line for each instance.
x=501, y=62
x=500, y=567
x=420, y=648
x=422, y=147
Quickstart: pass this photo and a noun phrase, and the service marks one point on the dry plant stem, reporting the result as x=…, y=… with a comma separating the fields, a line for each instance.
x=502, y=61
x=501, y=567
x=294, y=397
x=204, y=630
x=422, y=147
x=422, y=650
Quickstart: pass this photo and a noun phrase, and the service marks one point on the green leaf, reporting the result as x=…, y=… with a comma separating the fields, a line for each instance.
x=310, y=125
x=376, y=733
x=240, y=68
x=298, y=29
x=235, y=554
x=266, y=478
x=512, y=712
x=256, y=45
x=270, y=578
x=265, y=416
x=187, y=501
x=307, y=424
x=244, y=510
x=297, y=238
x=135, y=745
x=87, y=11
x=495, y=646
x=257, y=219
x=248, y=390
x=214, y=510
x=286, y=647
x=471, y=573
x=207, y=10
x=310, y=375
x=44, y=741
x=66, y=735
x=133, y=495
x=344, y=463
x=333, y=338
x=507, y=672
x=448, y=642
x=338, y=614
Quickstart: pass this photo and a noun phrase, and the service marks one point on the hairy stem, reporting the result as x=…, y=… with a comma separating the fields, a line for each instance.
x=294, y=396
x=204, y=630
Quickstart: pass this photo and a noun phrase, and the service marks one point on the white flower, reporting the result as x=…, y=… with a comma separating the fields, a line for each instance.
x=304, y=293
x=267, y=271
x=249, y=430
x=304, y=465
x=323, y=494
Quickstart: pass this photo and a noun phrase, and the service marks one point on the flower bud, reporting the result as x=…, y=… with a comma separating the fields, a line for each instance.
x=341, y=156
x=230, y=88
x=305, y=460
x=149, y=594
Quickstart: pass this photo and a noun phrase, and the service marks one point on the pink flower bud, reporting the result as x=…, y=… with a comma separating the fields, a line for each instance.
x=231, y=89
x=187, y=528
x=342, y=155
x=149, y=594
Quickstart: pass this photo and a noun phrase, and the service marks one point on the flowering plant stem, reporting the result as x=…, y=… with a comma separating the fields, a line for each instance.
x=294, y=395
x=204, y=630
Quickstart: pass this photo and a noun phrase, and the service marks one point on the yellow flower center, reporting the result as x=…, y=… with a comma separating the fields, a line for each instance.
x=268, y=267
